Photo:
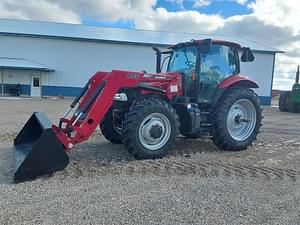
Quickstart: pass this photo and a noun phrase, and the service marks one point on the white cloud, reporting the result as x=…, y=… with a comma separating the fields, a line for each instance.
x=241, y=2
x=104, y=10
x=283, y=84
x=73, y=11
x=184, y=21
x=36, y=10
x=178, y=2
x=278, y=13
x=201, y=3
x=196, y=3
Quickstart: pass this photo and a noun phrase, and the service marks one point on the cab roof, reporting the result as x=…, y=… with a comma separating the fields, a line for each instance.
x=214, y=41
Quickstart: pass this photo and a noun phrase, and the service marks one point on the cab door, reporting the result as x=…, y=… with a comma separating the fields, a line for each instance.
x=184, y=61
x=221, y=62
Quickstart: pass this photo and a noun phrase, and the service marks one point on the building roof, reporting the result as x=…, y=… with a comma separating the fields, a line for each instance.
x=108, y=34
x=22, y=64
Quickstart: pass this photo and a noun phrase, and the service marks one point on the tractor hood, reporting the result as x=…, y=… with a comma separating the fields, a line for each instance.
x=100, y=75
x=168, y=84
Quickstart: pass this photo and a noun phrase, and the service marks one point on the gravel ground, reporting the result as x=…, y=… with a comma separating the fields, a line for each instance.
x=195, y=184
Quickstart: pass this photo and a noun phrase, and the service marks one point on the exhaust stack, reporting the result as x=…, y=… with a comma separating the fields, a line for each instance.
x=297, y=75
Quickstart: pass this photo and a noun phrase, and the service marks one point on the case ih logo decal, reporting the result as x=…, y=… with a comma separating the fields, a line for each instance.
x=133, y=76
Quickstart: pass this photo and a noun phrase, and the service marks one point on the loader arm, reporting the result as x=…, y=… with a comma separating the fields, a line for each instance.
x=93, y=107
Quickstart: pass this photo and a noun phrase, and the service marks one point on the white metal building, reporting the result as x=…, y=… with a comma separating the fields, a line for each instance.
x=48, y=59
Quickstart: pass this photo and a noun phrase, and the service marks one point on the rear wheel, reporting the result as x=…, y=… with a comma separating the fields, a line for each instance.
x=110, y=129
x=237, y=119
x=150, y=129
x=298, y=107
x=294, y=108
x=284, y=101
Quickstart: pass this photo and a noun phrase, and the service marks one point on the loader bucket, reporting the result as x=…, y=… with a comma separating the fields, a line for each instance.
x=37, y=150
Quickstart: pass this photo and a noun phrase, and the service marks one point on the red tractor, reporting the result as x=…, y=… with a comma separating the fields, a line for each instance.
x=201, y=94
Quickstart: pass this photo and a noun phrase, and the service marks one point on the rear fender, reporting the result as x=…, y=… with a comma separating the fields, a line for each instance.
x=238, y=80
x=233, y=81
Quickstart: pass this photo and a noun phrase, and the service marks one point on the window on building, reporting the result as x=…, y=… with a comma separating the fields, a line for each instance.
x=36, y=82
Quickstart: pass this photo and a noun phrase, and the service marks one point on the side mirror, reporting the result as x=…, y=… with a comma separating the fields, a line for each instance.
x=247, y=55
x=205, y=46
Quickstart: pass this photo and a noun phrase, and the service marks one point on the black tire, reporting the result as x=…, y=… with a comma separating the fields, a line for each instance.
x=221, y=135
x=297, y=107
x=133, y=121
x=109, y=130
x=293, y=107
x=284, y=101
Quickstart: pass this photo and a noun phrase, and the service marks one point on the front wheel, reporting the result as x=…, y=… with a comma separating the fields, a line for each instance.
x=236, y=119
x=110, y=129
x=150, y=129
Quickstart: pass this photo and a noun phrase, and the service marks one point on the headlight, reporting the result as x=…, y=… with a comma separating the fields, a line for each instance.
x=121, y=97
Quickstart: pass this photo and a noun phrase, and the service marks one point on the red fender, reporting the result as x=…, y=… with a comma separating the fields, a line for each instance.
x=238, y=80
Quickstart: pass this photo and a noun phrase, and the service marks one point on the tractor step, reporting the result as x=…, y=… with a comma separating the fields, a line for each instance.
x=205, y=112
x=205, y=124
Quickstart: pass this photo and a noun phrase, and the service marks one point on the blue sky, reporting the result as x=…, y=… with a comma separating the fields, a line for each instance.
x=225, y=8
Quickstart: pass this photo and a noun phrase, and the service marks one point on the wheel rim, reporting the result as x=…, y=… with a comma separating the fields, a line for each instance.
x=241, y=120
x=154, y=131
x=117, y=127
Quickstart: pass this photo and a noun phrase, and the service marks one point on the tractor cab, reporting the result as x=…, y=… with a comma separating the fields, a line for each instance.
x=204, y=65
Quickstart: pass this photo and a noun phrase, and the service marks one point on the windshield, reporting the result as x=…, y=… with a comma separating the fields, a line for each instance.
x=183, y=59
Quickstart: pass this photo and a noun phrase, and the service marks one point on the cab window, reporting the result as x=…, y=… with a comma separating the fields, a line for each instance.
x=220, y=63
x=183, y=60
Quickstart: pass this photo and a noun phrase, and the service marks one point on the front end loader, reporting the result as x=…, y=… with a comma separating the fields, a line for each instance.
x=146, y=111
